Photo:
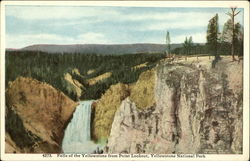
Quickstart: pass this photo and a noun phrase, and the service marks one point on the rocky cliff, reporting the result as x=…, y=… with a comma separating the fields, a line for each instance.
x=36, y=116
x=141, y=92
x=104, y=110
x=198, y=109
x=73, y=86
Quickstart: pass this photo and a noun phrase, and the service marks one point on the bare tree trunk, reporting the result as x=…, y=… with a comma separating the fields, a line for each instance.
x=232, y=50
x=232, y=15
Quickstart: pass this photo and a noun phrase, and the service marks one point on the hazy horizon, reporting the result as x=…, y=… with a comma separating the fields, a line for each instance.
x=71, y=25
x=92, y=44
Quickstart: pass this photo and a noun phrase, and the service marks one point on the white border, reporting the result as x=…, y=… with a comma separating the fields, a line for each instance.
x=227, y=4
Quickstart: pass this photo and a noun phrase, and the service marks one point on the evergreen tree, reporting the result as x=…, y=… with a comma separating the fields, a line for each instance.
x=239, y=37
x=168, y=43
x=227, y=32
x=51, y=68
x=213, y=36
x=188, y=45
x=185, y=46
x=227, y=37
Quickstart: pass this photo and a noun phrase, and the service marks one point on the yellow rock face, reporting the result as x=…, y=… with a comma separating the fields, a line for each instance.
x=43, y=110
x=76, y=86
x=90, y=71
x=105, y=109
x=76, y=71
x=142, y=93
x=93, y=81
x=140, y=66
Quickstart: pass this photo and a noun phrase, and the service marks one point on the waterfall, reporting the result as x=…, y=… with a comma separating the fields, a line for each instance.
x=77, y=134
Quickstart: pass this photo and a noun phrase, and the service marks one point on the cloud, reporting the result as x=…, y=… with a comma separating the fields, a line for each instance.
x=185, y=24
x=92, y=37
x=191, y=16
x=168, y=25
x=103, y=13
x=19, y=41
x=165, y=16
x=199, y=37
x=56, y=12
x=60, y=25
x=184, y=21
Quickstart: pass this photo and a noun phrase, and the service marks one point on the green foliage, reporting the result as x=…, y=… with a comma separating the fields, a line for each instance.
x=227, y=36
x=217, y=44
x=50, y=68
x=213, y=35
x=194, y=49
x=188, y=45
x=239, y=37
x=227, y=32
x=14, y=126
x=168, y=43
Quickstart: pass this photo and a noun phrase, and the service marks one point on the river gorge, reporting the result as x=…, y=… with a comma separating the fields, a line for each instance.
x=174, y=108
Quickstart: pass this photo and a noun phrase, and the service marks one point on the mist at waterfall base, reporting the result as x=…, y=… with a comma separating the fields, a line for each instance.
x=77, y=134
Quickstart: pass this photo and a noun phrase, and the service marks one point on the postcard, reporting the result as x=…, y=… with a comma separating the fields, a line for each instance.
x=125, y=80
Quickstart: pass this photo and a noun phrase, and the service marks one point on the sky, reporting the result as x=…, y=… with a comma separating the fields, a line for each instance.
x=28, y=25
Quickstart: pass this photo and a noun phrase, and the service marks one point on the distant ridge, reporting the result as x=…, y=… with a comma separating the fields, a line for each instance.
x=114, y=49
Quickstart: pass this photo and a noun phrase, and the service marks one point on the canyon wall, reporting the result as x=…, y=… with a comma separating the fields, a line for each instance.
x=176, y=107
x=198, y=110
x=36, y=116
x=140, y=92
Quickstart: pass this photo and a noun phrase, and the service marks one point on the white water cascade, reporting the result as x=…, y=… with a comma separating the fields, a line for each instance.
x=77, y=134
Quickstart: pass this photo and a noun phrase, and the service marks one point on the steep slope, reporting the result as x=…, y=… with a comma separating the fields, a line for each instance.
x=73, y=86
x=105, y=108
x=10, y=145
x=141, y=93
x=99, y=78
x=36, y=115
x=198, y=110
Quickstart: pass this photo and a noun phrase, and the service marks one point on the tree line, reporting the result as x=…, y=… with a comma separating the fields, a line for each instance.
x=50, y=68
x=227, y=42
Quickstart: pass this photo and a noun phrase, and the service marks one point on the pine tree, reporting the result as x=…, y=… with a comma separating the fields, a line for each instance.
x=227, y=37
x=227, y=33
x=190, y=44
x=185, y=46
x=168, y=43
x=239, y=37
x=213, y=36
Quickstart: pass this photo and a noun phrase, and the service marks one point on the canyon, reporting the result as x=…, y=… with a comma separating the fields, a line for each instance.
x=181, y=106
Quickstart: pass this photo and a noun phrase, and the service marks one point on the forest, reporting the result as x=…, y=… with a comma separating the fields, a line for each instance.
x=50, y=68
